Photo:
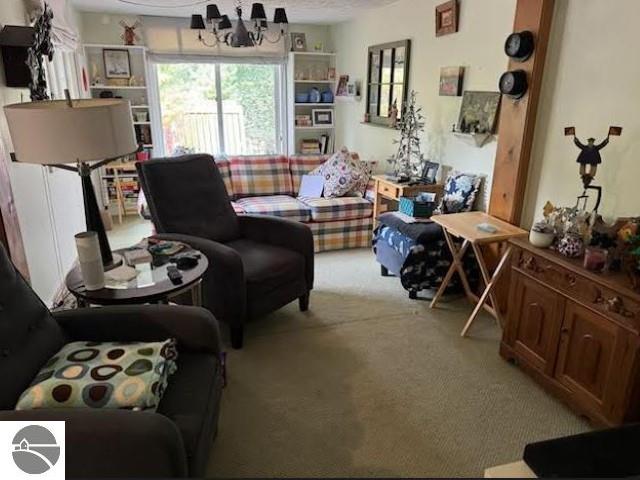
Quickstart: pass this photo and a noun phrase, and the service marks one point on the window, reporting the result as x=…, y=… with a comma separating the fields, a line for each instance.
x=231, y=109
x=387, y=79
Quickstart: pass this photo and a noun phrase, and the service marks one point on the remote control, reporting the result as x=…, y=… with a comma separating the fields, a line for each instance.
x=174, y=275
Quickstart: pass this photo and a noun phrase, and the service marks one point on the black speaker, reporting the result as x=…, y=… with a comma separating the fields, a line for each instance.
x=514, y=84
x=14, y=43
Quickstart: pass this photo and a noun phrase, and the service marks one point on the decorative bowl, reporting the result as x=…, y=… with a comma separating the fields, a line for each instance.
x=541, y=239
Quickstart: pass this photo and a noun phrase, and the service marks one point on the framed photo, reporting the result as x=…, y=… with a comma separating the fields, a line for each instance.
x=447, y=18
x=479, y=112
x=451, y=79
x=343, y=86
x=322, y=117
x=117, y=63
x=430, y=172
x=298, y=42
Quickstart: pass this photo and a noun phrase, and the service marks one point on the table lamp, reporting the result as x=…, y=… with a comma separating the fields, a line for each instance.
x=88, y=133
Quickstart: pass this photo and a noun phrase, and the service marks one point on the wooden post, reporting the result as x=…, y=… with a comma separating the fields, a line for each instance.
x=518, y=117
x=10, y=235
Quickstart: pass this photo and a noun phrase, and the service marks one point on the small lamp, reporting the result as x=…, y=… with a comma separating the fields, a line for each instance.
x=257, y=12
x=213, y=13
x=225, y=23
x=197, y=22
x=89, y=133
x=280, y=16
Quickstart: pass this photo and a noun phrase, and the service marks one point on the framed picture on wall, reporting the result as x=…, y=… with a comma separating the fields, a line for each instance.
x=451, y=79
x=117, y=63
x=479, y=112
x=298, y=42
x=447, y=18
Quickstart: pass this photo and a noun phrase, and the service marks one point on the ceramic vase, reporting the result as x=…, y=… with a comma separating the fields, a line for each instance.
x=541, y=239
x=571, y=245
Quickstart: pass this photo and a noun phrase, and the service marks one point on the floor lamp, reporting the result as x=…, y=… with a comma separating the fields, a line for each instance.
x=87, y=133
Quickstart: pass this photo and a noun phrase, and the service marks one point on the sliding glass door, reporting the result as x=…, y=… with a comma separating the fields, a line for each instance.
x=221, y=109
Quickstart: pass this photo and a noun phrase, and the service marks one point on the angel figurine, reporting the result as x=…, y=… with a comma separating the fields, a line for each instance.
x=129, y=36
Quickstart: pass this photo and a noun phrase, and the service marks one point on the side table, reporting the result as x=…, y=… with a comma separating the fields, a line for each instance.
x=388, y=191
x=152, y=285
x=464, y=226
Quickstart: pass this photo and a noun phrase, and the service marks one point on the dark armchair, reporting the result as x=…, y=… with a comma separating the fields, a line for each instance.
x=174, y=441
x=257, y=264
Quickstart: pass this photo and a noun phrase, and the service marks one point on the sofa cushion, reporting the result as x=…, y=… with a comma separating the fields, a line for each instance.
x=224, y=166
x=276, y=206
x=460, y=192
x=302, y=165
x=260, y=176
x=132, y=375
x=333, y=209
x=344, y=175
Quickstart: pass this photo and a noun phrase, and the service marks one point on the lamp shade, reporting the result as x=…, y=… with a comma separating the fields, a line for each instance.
x=225, y=23
x=197, y=22
x=52, y=132
x=213, y=13
x=257, y=12
x=280, y=16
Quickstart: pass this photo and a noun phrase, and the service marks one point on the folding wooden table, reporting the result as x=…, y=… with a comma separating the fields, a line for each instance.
x=465, y=226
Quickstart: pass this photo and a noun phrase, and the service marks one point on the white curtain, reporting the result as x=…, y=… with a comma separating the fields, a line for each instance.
x=165, y=36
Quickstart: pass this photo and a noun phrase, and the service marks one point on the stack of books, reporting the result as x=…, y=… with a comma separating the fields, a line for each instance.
x=310, y=147
x=304, y=121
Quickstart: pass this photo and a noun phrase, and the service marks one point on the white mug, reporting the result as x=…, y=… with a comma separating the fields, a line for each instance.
x=90, y=259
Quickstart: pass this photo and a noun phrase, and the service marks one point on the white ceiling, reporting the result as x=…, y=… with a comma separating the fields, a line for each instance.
x=298, y=11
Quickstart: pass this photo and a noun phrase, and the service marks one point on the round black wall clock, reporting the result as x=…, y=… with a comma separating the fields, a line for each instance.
x=520, y=45
x=514, y=84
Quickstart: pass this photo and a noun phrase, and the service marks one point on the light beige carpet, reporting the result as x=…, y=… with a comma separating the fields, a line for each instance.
x=370, y=383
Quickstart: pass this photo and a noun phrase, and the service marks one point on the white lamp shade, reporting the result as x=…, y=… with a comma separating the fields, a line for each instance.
x=52, y=132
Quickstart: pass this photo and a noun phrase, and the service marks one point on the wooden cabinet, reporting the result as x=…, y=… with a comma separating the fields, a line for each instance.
x=576, y=333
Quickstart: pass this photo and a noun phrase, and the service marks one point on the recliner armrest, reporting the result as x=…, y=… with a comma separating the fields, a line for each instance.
x=194, y=328
x=284, y=233
x=115, y=443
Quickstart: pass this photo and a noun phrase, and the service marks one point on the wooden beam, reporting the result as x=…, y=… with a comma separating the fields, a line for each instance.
x=10, y=234
x=518, y=117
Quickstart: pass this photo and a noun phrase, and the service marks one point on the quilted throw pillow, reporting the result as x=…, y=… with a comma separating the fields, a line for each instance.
x=343, y=174
x=460, y=192
x=130, y=375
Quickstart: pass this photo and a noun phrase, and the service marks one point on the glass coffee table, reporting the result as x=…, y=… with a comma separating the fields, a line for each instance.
x=152, y=284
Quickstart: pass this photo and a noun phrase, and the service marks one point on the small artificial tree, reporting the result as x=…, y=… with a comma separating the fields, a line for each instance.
x=409, y=160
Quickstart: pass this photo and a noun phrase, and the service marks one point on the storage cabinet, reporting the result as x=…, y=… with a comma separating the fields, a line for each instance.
x=576, y=333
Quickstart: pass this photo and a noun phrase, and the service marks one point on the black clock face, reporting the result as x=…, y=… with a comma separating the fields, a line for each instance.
x=507, y=82
x=513, y=45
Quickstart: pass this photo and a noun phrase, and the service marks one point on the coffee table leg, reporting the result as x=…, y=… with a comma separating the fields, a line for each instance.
x=488, y=292
x=196, y=295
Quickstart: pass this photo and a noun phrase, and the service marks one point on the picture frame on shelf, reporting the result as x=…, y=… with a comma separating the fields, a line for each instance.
x=430, y=172
x=447, y=18
x=451, y=81
x=343, y=84
x=117, y=63
x=322, y=117
x=298, y=42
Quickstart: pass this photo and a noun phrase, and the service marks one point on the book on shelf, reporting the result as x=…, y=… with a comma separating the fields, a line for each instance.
x=310, y=147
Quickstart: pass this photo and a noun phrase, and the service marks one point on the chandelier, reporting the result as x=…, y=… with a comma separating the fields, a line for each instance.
x=222, y=31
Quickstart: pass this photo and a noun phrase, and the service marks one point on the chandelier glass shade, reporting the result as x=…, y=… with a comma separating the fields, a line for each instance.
x=220, y=28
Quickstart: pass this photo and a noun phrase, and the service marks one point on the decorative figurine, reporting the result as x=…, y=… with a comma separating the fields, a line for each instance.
x=589, y=159
x=130, y=36
x=393, y=115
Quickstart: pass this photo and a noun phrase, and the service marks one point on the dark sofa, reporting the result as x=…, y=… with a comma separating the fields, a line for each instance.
x=172, y=442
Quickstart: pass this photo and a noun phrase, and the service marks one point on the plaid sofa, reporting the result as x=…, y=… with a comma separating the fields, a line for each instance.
x=269, y=185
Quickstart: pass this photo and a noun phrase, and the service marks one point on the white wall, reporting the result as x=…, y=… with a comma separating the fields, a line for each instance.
x=592, y=81
x=49, y=204
x=478, y=46
x=105, y=28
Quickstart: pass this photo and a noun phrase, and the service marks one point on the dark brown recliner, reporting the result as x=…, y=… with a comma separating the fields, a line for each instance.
x=257, y=264
x=174, y=441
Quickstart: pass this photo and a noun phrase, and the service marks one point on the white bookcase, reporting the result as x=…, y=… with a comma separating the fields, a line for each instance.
x=307, y=70
x=119, y=180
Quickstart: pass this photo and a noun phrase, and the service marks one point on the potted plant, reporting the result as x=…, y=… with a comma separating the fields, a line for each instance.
x=542, y=234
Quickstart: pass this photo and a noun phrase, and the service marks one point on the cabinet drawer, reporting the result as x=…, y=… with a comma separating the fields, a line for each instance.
x=602, y=299
x=388, y=191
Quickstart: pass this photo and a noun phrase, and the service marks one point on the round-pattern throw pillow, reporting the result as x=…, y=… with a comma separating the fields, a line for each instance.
x=343, y=174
